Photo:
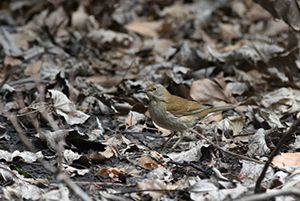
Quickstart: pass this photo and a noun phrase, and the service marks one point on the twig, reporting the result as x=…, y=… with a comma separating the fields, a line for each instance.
x=13, y=120
x=59, y=147
x=126, y=71
x=226, y=151
x=60, y=175
x=271, y=194
x=5, y=78
x=157, y=190
x=291, y=130
x=105, y=183
x=185, y=164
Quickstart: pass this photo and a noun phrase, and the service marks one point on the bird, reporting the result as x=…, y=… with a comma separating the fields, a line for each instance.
x=175, y=113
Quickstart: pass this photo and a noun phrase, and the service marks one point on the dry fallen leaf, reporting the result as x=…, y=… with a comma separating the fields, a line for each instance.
x=236, y=124
x=287, y=159
x=57, y=19
x=27, y=156
x=238, y=87
x=159, y=45
x=103, y=172
x=95, y=54
x=152, y=184
x=64, y=107
x=256, y=13
x=80, y=20
x=228, y=31
x=130, y=120
x=216, y=117
x=148, y=163
x=102, y=37
x=10, y=61
x=269, y=117
x=206, y=91
x=33, y=68
x=146, y=28
x=98, y=157
x=113, y=173
x=276, y=96
x=109, y=81
x=257, y=144
x=287, y=10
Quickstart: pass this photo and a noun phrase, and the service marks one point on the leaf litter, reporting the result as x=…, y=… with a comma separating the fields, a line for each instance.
x=74, y=127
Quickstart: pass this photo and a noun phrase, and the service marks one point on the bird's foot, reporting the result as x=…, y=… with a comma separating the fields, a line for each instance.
x=183, y=138
x=165, y=143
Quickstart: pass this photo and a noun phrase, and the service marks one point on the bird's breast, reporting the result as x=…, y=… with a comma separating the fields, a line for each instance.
x=167, y=120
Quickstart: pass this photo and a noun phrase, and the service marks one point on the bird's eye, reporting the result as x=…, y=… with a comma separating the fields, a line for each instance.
x=154, y=88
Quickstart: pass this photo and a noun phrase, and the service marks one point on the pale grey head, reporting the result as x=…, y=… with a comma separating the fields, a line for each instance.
x=156, y=92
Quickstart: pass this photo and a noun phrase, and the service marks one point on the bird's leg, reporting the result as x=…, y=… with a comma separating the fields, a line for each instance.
x=165, y=143
x=182, y=137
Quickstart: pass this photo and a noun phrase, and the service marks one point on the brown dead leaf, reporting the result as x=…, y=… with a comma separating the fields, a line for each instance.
x=110, y=37
x=206, y=91
x=156, y=155
x=229, y=31
x=280, y=96
x=239, y=8
x=130, y=120
x=98, y=157
x=160, y=46
x=287, y=159
x=57, y=18
x=268, y=116
x=113, y=141
x=178, y=11
x=112, y=172
x=102, y=172
x=152, y=184
x=256, y=13
x=242, y=76
x=148, y=163
x=80, y=19
x=286, y=10
x=9, y=61
x=298, y=115
x=115, y=171
x=274, y=28
x=33, y=68
x=66, y=108
x=22, y=39
x=108, y=81
x=238, y=87
x=213, y=118
x=145, y=28
x=236, y=124
x=221, y=82
x=20, y=42
x=165, y=132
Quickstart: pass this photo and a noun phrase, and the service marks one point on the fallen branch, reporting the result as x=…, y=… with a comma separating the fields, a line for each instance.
x=271, y=194
x=287, y=135
x=226, y=151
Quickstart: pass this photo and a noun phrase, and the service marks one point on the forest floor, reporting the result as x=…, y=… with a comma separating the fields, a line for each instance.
x=74, y=127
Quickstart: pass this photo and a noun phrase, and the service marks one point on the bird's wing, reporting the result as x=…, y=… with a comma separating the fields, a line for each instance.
x=181, y=107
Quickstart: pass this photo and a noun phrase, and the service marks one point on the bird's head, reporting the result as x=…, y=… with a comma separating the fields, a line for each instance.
x=157, y=92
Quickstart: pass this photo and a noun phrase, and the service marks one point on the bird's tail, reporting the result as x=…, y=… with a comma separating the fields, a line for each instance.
x=211, y=110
